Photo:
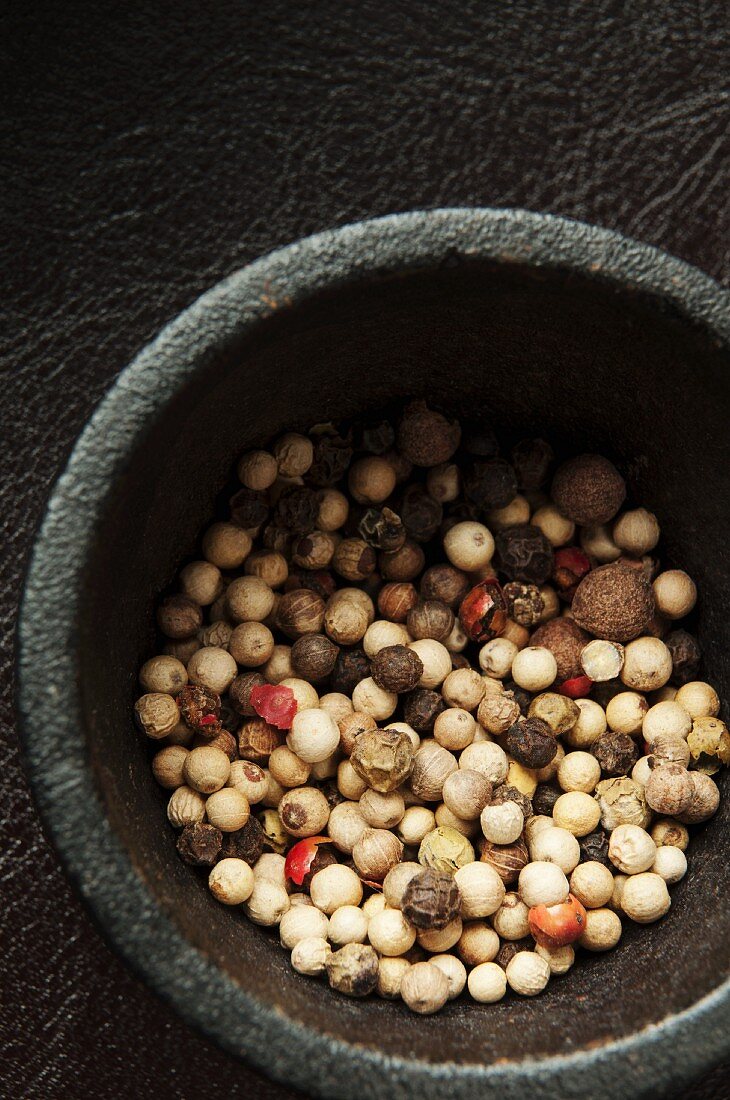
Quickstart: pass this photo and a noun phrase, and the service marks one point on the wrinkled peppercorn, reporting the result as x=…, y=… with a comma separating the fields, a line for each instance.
x=445, y=583
x=376, y=437
x=426, y=437
x=353, y=970
x=382, y=528
x=616, y=753
x=239, y=693
x=480, y=441
x=396, y=668
x=277, y=538
x=686, y=656
x=200, y=709
x=511, y=948
x=522, y=697
x=505, y=792
x=524, y=603
x=594, y=846
x=200, y=844
x=420, y=513
x=383, y=758
x=545, y=797
x=525, y=554
x=490, y=484
x=531, y=743
x=332, y=456
x=531, y=459
x=297, y=508
x=249, y=508
x=431, y=900
x=421, y=708
x=430, y=619
x=351, y=666
x=246, y=843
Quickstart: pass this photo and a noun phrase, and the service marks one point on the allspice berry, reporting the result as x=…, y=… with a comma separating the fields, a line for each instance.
x=588, y=489
x=614, y=601
x=397, y=668
x=431, y=900
x=566, y=641
x=383, y=758
x=426, y=437
x=353, y=969
x=313, y=657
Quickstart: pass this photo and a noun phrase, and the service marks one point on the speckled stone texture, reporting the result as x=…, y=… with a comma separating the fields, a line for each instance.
x=150, y=154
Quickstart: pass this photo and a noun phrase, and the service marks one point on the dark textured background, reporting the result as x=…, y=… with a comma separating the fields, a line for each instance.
x=150, y=150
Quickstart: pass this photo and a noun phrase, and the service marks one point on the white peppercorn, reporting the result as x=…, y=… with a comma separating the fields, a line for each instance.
x=488, y=758
x=390, y=933
x=579, y=771
x=416, y=823
x=213, y=668
x=310, y=955
x=454, y=971
x=164, y=674
x=424, y=988
x=439, y=940
x=436, y=661
x=302, y=922
x=497, y=656
x=559, y=959
x=558, y=846
x=201, y=581
x=675, y=593
x=335, y=886
x=647, y=664
x=527, y=973
x=313, y=736
x=534, y=668
x=466, y=793
x=577, y=812
x=502, y=823
x=227, y=809
x=631, y=849
x=157, y=714
x=267, y=903
x=231, y=881
x=463, y=688
x=670, y=832
x=670, y=864
x=348, y=924
x=376, y=852
x=645, y=898
x=391, y=970
x=601, y=930
x=487, y=983
x=512, y=920
x=454, y=729
x=592, y=884
x=185, y=807
x=542, y=883
x=346, y=825
x=478, y=943
x=667, y=718
x=698, y=698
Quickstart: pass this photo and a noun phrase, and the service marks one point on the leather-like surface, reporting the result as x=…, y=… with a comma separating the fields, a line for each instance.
x=149, y=152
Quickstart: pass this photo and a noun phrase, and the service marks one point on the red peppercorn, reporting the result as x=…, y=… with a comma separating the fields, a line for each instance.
x=274, y=703
x=570, y=566
x=578, y=687
x=557, y=925
x=483, y=611
x=299, y=859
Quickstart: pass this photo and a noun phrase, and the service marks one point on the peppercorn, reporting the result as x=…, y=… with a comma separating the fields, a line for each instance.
x=397, y=668
x=705, y=801
x=483, y=612
x=421, y=708
x=297, y=509
x=257, y=739
x=420, y=513
x=531, y=460
x=313, y=657
x=510, y=948
x=332, y=455
x=531, y=743
x=445, y=583
x=566, y=641
x=200, y=709
x=395, y=600
x=382, y=528
x=200, y=844
x=403, y=564
x=557, y=711
x=570, y=566
x=616, y=753
x=431, y=900
x=525, y=554
x=383, y=758
x=300, y=612
x=179, y=617
x=686, y=656
x=430, y=619
x=445, y=849
x=622, y=801
x=246, y=843
x=613, y=602
x=506, y=859
x=709, y=745
x=524, y=603
x=157, y=714
x=351, y=666
x=505, y=792
x=425, y=436
x=490, y=484
x=545, y=797
x=375, y=853
x=375, y=435
x=354, y=560
x=594, y=848
x=319, y=581
x=353, y=970
x=249, y=508
x=588, y=489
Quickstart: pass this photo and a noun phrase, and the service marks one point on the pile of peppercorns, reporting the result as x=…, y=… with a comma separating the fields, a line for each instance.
x=428, y=711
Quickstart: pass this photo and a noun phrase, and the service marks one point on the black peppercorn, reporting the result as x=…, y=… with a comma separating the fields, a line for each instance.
x=421, y=708
x=431, y=900
x=480, y=441
x=351, y=666
x=686, y=656
x=396, y=668
x=200, y=709
x=239, y=693
x=246, y=843
x=531, y=459
x=313, y=657
x=420, y=513
x=605, y=691
x=382, y=528
x=525, y=554
x=505, y=792
x=200, y=844
x=595, y=847
x=297, y=509
x=445, y=583
x=524, y=603
x=179, y=617
x=277, y=538
x=616, y=753
x=531, y=743
x=490, y=484
x=545, y=797
x=249, y=508
x=376, y=436
x=522, y=697
x=332, y=455
x=511, y=948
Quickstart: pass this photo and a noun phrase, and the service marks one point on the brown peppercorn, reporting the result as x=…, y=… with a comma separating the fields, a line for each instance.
x=403, y=564
x=396, y=668
x=300, y=612
x=313, y=657
x=614, y=602
x=200, y=845
x=524, y=553
x=421, y=708
x=246, y=843
x=616, y=753
x=705, y=800
x=593, y=847
x=670, y=790
x=382, y=528
x=524, y=603
x=566, y=641
x=426, y=437
x=223, y=740
x=490, y=484
x=376, y=852
x=354, y=560
x=353, y=726
x=686, y=656
x=249, y=508
x=506, y=859
x=505, y=792
x=430, y=619
x=431, y=900
x=498, y=711
x=312, y=551
x=200, y=709
x=239, y=693
x=545, y=797
x=353, y=970
x=383, y=758
x=432, y=765
x=588, y=489
x=319, y=581
x=420, y=513
x=445, y=583
x=257, y=740
x=531, y=743
x=297, y=509
x=332, y=455
x=396, y=599
x=179, y=617
x=351, y=666
x=531, y=460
